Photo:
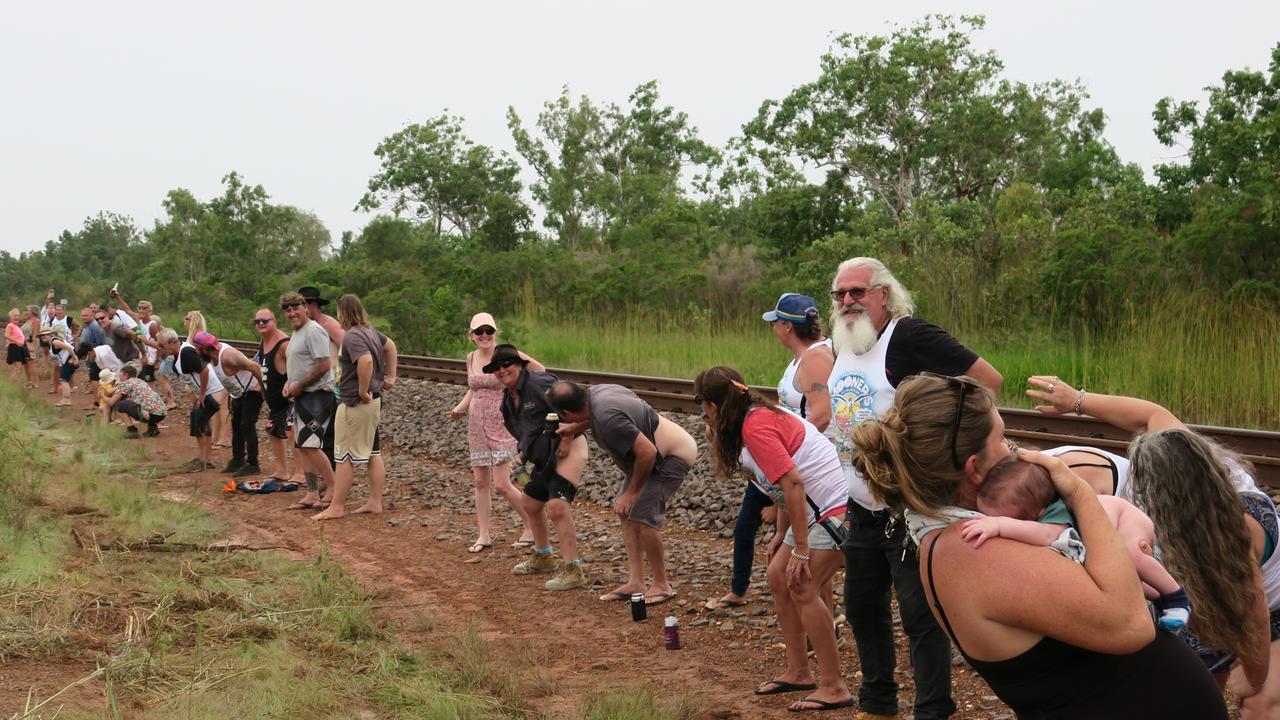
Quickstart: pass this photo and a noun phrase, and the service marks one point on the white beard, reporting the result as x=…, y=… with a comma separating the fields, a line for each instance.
x=856, y=334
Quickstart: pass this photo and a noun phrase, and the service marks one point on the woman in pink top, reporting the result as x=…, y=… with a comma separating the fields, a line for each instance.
x=792, y=462
x=16, y=354
x=490, y=444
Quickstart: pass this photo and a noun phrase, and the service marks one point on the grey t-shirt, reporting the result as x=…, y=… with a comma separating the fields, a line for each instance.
x=308, y=346
x=359, y=341
x=617, y=416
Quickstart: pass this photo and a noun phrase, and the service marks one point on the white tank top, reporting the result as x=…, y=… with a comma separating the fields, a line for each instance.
x=820, y=470
x=237, y=384
x=789, y=397
x=150, y=351
x=860, y=391
x=1120, y=465
x=194, y=379
x=1245, y=484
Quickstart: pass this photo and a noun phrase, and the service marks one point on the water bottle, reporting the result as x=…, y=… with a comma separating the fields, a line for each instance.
x=671, y=629
x=639, y=613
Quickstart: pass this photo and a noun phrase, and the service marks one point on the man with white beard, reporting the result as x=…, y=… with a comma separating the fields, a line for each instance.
x=878, y=345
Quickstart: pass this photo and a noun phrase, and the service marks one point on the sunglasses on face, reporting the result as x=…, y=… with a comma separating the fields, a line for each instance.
x=290, y=306
x=856, y=293
x=262, y=321
x=965, y=386
x=508, y=363
x=483, y=330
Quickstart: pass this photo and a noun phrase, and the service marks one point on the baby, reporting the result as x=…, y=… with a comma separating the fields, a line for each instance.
x=1021, y=504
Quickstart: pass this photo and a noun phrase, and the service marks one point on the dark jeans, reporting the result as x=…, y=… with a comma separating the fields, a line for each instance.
x=744, y=537
x=874, y=563
x=244, y=427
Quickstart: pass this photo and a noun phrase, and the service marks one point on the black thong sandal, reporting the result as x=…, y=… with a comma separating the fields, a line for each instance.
x=823, y=705
x=782, y=686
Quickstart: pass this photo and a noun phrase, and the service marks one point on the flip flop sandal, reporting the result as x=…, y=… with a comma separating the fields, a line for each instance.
x=658, y=598
x=522, y=544
x=615, y=596
x=300, y=505
x=823, y=705
x=479, y=547
x=722, y=604
x=782, y=686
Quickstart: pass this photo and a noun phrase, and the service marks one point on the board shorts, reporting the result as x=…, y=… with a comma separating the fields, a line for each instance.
x=355, y=432
x=201, y=415
x=313, y=419
x=650, y=506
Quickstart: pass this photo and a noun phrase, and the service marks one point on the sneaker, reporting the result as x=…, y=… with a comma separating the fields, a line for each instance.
x=131, y=432
x=194, y=464
x=569, y=577
x=233, y=466
x=247, y=470
x=538, y=563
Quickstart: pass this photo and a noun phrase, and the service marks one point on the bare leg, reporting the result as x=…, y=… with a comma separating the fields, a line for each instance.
x=793, y=635
x=635, y=560
x=1266, y=704
x=650, y=542
x=205, y=443
x=537, y=521
x=377, y=473
x=815, y=620
x=281, y=473
x=341, y=486
x=502, y=482
x=559, y=514
x=484, y=503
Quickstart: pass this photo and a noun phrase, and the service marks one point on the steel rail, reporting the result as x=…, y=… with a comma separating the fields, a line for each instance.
x=1261, y=447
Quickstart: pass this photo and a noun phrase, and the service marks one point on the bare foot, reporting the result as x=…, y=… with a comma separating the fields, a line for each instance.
x=333, y=512
x=369, y=508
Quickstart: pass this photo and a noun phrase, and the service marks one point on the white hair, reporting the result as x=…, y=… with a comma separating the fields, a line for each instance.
x=899, y=302
x=168, y=335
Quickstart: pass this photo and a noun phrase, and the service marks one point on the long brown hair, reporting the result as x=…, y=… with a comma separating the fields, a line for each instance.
x=905, y=458
x=724, y=388
x=1183, y=481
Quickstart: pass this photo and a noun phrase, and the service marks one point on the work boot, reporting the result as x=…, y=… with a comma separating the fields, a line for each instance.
x=538, y=563
x=570, y=576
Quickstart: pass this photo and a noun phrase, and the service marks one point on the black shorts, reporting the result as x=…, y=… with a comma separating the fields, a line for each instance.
x=17, y=354
x=553, y=488
x=66, y=372
x=201, y=415
x=148, y=373
x=278, y=422
x=125, y=406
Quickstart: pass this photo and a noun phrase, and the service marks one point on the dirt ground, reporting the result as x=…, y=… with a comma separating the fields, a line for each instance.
x=415, y=556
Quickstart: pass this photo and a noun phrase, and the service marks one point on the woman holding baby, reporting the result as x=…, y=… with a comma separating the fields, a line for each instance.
x=1053, y=637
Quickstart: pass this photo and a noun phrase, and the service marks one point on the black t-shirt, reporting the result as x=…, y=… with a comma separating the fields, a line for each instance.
x=525, y=423
x=918, y=345
x=190, y=361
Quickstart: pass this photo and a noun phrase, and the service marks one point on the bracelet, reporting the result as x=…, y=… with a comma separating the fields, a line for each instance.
x=798, y=556
x=1079, y=401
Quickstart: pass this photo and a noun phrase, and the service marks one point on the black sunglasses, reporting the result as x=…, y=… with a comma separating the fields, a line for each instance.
x=965, y=385
x=854, y=293
x=261, y=321
x=484, y=330
x=290, y=306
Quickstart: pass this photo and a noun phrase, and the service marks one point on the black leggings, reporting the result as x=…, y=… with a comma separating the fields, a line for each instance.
x=244, y=427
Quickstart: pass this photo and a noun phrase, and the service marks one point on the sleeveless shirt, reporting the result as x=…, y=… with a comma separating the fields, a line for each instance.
x=275, y=379
x=236, y=384
x=792, y=399
x=193, y=379
x=860, y=391
x=1119, y=464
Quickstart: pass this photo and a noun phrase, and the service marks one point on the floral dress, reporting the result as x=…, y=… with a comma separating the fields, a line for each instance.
x=487, y=436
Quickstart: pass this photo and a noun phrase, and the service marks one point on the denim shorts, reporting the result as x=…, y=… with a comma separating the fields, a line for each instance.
x=819, y=538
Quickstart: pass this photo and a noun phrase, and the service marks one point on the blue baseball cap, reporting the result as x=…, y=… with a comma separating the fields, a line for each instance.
x=792, y=307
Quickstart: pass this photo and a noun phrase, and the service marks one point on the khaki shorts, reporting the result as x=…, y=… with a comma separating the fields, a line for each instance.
x=650, y=507
x=355, y=430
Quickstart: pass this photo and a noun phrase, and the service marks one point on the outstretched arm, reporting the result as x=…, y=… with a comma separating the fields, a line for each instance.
x=1128, y=413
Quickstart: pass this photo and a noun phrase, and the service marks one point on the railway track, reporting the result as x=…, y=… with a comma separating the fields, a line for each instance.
x=1028, y=427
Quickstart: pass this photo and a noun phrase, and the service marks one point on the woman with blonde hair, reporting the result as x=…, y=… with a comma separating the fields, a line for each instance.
x=1052, y=636
x=1217, y=531
x=491, y=445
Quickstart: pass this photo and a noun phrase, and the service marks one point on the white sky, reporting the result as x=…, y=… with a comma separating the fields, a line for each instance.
x=107, y=106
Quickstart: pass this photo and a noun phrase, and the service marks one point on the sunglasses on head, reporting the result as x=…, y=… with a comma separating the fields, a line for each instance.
x=290, y=305
x=261, y=321
x=856, y=293
x=484, y=330
x=965, y=386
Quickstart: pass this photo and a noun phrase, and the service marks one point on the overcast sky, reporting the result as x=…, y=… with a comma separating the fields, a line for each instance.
x=108, y=105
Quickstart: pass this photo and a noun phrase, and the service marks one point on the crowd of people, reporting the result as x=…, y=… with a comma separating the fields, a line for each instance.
x=1078, y=583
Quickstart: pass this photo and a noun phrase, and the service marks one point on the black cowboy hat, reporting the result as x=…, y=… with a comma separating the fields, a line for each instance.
x=501, y=355
x=312, y=294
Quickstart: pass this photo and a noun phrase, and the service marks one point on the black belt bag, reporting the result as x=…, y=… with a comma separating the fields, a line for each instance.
x=834, y=527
